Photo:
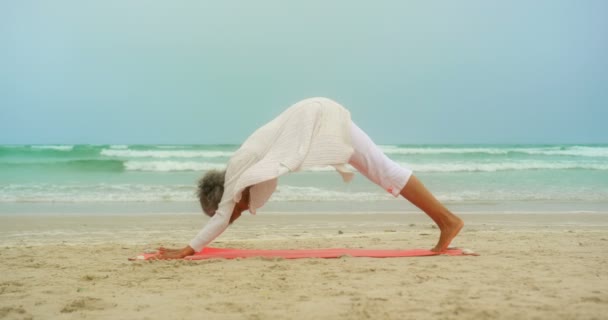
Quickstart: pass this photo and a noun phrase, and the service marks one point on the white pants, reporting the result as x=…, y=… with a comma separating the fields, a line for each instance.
x=371, y=162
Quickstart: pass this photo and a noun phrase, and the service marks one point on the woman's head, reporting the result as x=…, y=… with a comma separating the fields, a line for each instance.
x=210, y=190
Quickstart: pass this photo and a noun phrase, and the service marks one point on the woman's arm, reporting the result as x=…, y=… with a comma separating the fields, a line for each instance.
x=214, y=227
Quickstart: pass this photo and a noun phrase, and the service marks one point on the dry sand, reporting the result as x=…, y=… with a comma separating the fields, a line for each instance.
x=539, y=266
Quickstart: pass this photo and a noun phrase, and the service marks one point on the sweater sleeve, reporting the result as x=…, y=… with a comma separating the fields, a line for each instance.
x=214, y=227
x=238, y=163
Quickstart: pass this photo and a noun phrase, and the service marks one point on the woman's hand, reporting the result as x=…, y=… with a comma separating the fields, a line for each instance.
x=168, y=254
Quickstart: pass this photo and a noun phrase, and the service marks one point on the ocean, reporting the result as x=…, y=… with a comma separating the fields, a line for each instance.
x=162, y=178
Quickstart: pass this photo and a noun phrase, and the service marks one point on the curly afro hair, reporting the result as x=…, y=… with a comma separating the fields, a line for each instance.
x=210, y=190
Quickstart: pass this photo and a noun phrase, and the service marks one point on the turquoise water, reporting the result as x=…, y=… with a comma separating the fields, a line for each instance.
x=511, y=177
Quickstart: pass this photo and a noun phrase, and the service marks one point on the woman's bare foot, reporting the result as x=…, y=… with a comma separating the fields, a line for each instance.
x=448, y=223
x=449, y=231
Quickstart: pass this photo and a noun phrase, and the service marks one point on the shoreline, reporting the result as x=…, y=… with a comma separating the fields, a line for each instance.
x=302, y=207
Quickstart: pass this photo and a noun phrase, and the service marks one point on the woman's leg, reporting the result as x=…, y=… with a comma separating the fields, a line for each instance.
x=421, y=197
x=370, y=161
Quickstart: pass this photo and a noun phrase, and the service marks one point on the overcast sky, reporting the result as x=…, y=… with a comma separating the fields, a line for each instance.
x=207, y=72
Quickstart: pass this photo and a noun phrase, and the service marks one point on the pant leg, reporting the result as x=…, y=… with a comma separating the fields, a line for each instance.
x=371, y=162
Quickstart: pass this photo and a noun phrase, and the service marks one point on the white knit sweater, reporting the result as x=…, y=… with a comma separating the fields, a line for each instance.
x=312, y=132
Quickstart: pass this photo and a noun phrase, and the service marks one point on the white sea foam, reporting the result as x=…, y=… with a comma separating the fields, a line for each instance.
x=445, y=167
x=287, y=193
x=54, y=147
x=502, y=166
x=167, y=166
x=294, y=193
x=163, y=193
x=170, y=165
x=580, y=151
x=435, y=150
x=96, y=193
x=164, y=153
x=45, y=193
x=119, y=147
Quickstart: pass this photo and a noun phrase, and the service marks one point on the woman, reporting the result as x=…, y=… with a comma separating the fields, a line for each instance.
x=312, y=132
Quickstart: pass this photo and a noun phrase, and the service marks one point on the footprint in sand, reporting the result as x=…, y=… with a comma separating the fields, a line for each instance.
x=223, y=307
x=10, y=287
x=14, y=313
x=84, y=304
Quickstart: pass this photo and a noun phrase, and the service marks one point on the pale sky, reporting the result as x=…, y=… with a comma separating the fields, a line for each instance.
x=206, y=72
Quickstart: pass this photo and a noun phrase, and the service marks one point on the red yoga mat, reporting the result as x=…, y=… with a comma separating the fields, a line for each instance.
x=227, y=253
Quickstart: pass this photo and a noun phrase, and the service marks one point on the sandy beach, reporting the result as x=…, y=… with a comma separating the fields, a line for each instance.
x=532, y=266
